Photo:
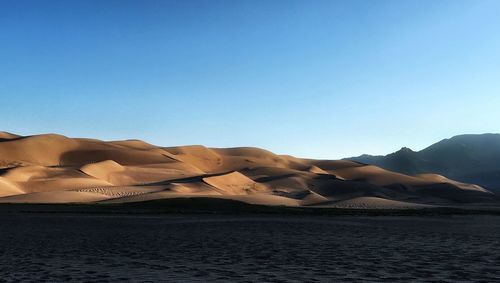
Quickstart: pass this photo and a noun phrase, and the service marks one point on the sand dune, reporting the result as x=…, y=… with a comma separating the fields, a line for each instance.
x=316, y=170
x=436, y=178
x=56, y=197
x=199, y=156
x=102, y=170
x=309, y=197
x=234, y=183
x=120, y=192
x=377, y=176
x=135, y=144
x=7, y=188
x=7, y=136
x=57, y=169
x=36, y=178
x=374, y=202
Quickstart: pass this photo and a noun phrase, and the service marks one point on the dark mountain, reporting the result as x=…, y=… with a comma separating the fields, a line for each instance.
x=467, y=158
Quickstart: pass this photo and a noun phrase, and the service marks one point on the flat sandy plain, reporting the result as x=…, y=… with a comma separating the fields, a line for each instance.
x=57, y=247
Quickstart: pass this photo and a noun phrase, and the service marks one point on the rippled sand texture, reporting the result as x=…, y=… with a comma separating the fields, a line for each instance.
x=54, y=248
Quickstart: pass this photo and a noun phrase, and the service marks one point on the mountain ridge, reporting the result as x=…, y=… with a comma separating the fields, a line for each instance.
x=472, y=158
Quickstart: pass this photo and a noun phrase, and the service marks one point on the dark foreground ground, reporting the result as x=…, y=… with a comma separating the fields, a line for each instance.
x=58, y=247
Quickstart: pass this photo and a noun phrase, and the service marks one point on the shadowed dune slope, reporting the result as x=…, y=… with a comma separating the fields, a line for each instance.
x=7, y=136
x=57, y=169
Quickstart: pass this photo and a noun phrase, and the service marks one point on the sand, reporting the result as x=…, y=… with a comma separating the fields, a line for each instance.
x=131, y=248
x=373, y=203
x=53, y=168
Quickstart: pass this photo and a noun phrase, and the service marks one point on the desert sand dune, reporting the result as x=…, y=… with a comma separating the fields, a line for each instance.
x=328, y=165
x=199, y=156
x=61, y=184
x=200, y=188
x=35, y=172
x=57, y=169
x=234, y=183
x=377, y=176
x=54, y=150
x=56, y=197
x=374, y=202
x=316, y=170
x=8, y=188
x=102, y=170
x=249, y=157
x=135, y=144
x=36, y=178
x=7, y=136
x=436, y=178
x=119, y=192
x=35, y=150
x=308, y=197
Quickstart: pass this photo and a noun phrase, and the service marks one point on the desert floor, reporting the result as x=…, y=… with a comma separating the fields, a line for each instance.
x=55, y=247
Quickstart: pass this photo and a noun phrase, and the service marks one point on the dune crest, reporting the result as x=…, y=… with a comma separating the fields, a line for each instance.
x=7, y=188
x=102, y=170
x=234, y=183
x=7, y=136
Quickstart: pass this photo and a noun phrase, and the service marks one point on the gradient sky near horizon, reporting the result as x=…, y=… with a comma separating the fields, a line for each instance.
x=320, y=79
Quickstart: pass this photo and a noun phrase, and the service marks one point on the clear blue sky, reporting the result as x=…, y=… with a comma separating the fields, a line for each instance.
x=323, y=79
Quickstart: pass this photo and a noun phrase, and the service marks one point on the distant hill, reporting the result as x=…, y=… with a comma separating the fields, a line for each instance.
x=466, y=158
